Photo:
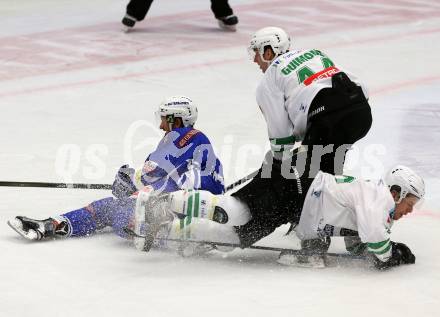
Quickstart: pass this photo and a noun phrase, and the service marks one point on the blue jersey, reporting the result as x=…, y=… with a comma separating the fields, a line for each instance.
x=184, y=159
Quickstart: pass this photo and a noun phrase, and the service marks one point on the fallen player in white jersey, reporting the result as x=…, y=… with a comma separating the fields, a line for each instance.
x=328, y=206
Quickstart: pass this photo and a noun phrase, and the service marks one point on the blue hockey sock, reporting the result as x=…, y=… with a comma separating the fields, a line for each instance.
x=87, y=220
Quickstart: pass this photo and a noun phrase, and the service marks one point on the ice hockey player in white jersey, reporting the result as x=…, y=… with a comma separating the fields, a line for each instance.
x=304, y=96
x=345, y=206
x=328, y=206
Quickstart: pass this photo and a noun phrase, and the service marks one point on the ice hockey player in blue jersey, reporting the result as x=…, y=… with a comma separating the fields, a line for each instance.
x=183, y=159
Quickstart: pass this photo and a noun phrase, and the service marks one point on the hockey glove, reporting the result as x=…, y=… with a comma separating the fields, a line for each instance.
x=123, y=185
x=400, y=254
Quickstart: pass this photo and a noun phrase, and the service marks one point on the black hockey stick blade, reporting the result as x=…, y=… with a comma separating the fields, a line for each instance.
x=241, y=181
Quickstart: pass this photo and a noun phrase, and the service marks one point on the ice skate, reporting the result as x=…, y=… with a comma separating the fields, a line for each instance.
x=128, y=23
x=312, y=254
x=291, y=258
x=190, y=249
x=228, y=23
x=151, y=214
x=35, y=230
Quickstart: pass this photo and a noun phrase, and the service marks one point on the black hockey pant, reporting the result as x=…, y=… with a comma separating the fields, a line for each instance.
x=272, y=202
x=338, y=117
x=139, y=8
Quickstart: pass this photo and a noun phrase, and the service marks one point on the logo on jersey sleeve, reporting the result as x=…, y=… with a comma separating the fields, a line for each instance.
x=188, y=136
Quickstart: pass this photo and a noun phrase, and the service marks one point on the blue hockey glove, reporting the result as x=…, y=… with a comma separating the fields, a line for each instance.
x=123, y=185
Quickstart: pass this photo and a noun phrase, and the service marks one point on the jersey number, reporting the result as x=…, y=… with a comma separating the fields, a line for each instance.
x=305, y=72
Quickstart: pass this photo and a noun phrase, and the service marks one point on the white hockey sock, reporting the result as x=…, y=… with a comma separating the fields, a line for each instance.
x=237, y=211
x=203, y=230
x=201, y=204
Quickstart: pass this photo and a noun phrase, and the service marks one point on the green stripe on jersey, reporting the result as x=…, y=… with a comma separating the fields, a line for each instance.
x=384, y=250
x=189, y=210
x=196, y=204
x=283, y=141
x=341, y=179
x=379, y=247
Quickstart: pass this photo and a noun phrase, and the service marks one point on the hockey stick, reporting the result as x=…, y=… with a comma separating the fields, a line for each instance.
x=109, y=186
x=241, y=181
x=61, y=185
x=254, y=247
x=293, y=152
x=56, y=185
x=96, y=186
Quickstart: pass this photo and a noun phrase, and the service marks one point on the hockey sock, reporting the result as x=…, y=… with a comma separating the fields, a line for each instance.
x=87, y=220
x=202, y=204
x=81, y=222
x=203, y=230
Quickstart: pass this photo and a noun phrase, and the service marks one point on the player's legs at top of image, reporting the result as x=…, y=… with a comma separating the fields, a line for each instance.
x=137, y=10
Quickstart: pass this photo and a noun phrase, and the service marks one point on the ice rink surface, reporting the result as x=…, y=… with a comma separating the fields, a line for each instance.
x=77, y=98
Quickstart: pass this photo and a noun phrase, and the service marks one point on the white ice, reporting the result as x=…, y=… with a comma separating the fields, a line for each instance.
x=73, y=89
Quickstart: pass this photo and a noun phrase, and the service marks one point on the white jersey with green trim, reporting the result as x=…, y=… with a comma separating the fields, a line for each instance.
x=287, y=89
x=339, y=205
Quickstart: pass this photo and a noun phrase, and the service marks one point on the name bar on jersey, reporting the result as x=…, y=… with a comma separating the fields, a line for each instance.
x=300, y=60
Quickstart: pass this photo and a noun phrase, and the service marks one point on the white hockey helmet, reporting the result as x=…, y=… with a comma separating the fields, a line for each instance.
x=271, y=36
x=178, y=107
x=408, y=181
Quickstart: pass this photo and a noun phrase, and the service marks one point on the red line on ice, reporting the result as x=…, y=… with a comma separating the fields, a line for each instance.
x=382, y=90
x=99, y=45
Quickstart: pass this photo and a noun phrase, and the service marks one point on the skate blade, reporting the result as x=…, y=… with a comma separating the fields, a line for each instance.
x=229, y=28
x=150, y=235
x=126, y=29
x=193, y=249
x=315, y=262
x=138, y=235
x=17, y=227
x=138, y=243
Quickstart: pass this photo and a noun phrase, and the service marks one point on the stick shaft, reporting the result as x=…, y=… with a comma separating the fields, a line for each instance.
x=56, y=185
x=241, y=181
x=255, y=247
x=265, y=248
x=95, y=186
